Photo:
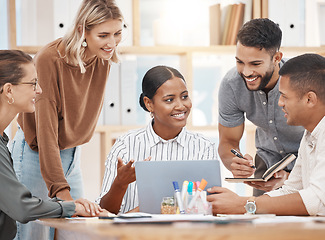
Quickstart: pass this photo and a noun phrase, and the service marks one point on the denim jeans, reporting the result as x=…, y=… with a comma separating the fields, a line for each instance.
x=27, y=167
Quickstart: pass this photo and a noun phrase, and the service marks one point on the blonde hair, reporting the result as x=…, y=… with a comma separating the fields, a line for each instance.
x=90, y=14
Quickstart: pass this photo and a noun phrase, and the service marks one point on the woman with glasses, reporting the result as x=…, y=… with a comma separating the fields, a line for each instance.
x=72, y=72
x=32, y=82
x=18, y=91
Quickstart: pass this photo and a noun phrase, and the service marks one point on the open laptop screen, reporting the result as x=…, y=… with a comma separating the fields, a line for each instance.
x=155, y=179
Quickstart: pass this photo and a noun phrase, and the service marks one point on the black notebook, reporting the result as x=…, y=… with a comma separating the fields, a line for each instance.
x=269, y=172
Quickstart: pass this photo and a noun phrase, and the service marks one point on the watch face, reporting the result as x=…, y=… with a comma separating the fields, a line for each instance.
x=250, y=207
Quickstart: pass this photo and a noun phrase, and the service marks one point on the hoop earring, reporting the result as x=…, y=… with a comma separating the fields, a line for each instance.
x=151, y=114
x=13, y=100
x=84, y=43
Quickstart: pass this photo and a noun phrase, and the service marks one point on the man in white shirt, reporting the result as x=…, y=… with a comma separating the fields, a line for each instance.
x=302, y=88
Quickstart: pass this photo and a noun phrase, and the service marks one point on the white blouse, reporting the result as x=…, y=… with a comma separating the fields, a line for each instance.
x=142, y=143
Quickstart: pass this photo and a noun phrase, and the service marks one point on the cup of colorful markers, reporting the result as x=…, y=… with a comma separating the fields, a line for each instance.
x=190, y=200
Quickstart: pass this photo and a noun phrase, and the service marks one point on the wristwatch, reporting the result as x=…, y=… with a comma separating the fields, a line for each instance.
x=250, y=206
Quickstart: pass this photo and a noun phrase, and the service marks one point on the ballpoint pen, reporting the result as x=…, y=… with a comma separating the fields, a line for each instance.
x=235, y=152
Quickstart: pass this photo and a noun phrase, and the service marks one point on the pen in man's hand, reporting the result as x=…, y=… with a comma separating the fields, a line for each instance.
x=235, y=152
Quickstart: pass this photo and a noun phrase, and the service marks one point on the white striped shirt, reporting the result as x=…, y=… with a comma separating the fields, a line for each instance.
x=307, y=176
x=142, y=143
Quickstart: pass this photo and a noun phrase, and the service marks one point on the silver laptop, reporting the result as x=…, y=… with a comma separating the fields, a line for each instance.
x=155, y=179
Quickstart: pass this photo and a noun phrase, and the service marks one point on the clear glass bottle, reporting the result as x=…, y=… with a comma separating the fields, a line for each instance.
x=168, y=205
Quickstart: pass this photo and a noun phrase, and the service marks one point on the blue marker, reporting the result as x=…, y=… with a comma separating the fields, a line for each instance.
x=178, y=198
x=190, y=188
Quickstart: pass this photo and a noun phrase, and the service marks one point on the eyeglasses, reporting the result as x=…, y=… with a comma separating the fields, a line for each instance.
x=30, y=83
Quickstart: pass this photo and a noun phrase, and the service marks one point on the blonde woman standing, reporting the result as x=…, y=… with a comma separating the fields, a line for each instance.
x=72, y=72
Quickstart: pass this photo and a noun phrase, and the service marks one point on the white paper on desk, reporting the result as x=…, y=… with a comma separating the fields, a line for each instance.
x=283, y=219
x=243, y=216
